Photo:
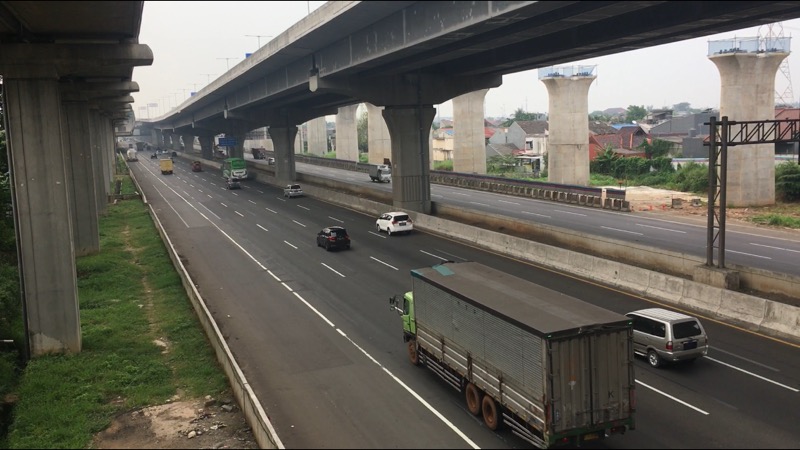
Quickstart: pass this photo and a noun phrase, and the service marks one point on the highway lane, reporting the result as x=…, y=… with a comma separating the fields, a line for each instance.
x=749, y=246
x=314, y=335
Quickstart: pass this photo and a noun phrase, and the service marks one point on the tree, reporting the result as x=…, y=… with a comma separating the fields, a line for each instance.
x=635, y=113
x=604, y=162
x=521, y=114
x=659, y=148
x=363, y=135
x=599, y=116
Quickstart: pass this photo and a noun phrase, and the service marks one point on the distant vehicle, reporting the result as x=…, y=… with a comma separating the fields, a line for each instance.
x=381, y=173
x=232, y=184
x=258, y=153
x=664, y=336
x=131, y=155
x=292, y=190
x=334, y=237
x=234, y=169
x=394, y=222
x=166, y=165
x=553, y=369
x=154, y=156
x=196, y=166
x=271, y=161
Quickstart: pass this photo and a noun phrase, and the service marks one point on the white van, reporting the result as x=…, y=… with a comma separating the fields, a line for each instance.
x=663, y=336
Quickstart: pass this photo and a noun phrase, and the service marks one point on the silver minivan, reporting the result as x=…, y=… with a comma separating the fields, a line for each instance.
x=663, y=336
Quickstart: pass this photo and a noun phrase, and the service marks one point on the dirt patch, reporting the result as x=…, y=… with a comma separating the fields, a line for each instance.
x=196, y=424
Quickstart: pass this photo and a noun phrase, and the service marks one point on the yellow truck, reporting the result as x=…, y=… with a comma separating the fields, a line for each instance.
x=166, y=165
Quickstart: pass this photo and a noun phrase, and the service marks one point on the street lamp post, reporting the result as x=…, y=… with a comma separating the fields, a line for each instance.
x=208, y=77
x=259, y=36
x=228, y=62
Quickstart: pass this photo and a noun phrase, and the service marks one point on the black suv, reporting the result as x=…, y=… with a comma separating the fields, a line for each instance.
x=333, y=237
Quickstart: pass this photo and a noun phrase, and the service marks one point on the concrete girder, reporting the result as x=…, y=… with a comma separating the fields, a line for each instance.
x=71, y=60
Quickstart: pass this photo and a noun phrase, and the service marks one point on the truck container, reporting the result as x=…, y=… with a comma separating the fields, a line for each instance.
x=380, y=172
x=554, y=369
x=234, y=169
x=165, y=164
x=131, y=155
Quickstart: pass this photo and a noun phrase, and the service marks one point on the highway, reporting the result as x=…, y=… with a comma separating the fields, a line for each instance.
x=750, y=246
x=314, y=335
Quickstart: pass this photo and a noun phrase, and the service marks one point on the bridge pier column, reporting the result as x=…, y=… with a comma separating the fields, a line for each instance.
x=283, y=138
x=41, y=200
x=748, y=93
x=206, y=146
x=469, y=152
x=347, y=133
x=379, y=145
x=188, y=143
x=81, y=170
x=409, y=130
x=568, y=143
x=317, y=136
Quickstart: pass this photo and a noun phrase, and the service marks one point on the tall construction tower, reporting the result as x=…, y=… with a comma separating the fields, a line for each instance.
x=784, y=95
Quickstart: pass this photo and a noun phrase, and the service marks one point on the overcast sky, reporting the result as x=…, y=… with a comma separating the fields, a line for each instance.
x=194, y=43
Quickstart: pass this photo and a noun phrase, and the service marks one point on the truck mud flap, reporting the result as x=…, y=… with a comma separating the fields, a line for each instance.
x=439, y=369
x=522, y=431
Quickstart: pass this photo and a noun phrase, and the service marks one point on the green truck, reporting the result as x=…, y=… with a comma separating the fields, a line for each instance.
x=554, y=369
x=234, y=169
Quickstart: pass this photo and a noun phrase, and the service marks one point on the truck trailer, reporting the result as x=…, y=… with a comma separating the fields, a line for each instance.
x=554, y=369
x=380, y=173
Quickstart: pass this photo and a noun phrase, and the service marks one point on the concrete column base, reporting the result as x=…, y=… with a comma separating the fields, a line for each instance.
x=716, y=277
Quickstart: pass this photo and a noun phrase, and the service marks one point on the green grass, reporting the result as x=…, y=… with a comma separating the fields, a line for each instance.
x=130, y=295
x=778, y=220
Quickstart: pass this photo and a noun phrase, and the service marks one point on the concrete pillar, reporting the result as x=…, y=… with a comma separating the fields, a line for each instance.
x=347, y=133
x=81, y=170
x=379, y=144
x=409, y=129
x=188, y=143
x=283, y=137
x=100, y=185
x=469, y=145
x=158, y=139
x=33, y=111
x=568, y=141
x=206, y=146
x=317, y=136
x=748, y=93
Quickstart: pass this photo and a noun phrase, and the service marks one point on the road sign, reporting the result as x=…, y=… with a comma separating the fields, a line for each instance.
x=227, y=142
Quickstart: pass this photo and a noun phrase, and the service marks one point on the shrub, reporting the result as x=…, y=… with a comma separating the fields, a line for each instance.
x=692, y=177
x=787, y=182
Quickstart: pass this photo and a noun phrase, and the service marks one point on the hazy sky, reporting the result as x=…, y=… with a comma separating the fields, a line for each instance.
x=191, y=41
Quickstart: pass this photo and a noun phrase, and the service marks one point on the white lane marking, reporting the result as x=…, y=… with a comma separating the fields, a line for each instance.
x=212, y=212
x=623, y=231
x=259, y=226
x=290, y=245
x=299, y=223
x=748, y=254
x=237, y=212
x=437, y=195
x=510, y=203
x=377, y=234
x=200, y=191
x=312, y=308
x=301, y=206
x=569, y=212
x=234, y=193
x=332, y=269
x=460, y=193
x=673, y=398
x=479, y=204
x=287, y=286
x=276, y=212
x=775, y=248
x=387, y=265
x=223, y=204
x=209, y=195
x=252, y=202
x=716, y=349
x=752, y=374
x=171, y=207
x=337, y=220
x=535, y=214
x=660, y=228
x=435, y=256
x=450, y=254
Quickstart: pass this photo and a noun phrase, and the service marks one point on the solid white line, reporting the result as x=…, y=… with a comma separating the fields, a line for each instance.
x=259, y=226
x=377, y=234
x=659, y=228
x=290, y=245
x=752, y=374
x=623, y=231
x=212, y=212
x=673, y=398
x=776, y=248
x=535, y=214
x=287, y=287
x=313, y=309
x=171, y=207
x=435, y=256
x=299, y=223
x=237, y=212
x=479, y=204
x=748, y=254
x=510, y=203
x=569, y=212
x=376, y=259
x=332, y=270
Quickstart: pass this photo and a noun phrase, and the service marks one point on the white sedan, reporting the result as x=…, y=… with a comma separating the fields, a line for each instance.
x=394, y=222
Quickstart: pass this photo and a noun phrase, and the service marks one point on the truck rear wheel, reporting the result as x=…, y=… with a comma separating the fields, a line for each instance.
x=491, y=416
x=413, y=356
x=474, y=398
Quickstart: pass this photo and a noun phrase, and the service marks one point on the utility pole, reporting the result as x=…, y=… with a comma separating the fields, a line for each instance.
x=259, y=36
x=208, y=77
x=228, y=62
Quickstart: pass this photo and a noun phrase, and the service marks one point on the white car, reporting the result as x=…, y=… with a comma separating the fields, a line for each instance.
x=394, y=222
